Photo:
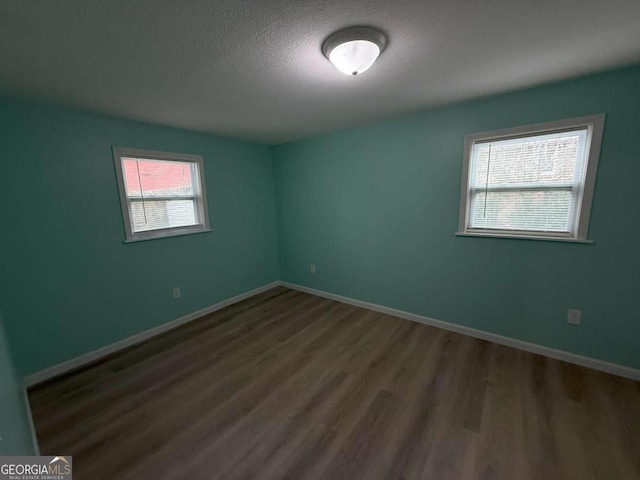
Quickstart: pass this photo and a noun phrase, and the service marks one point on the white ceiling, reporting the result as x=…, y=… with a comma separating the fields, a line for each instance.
x=254, y=69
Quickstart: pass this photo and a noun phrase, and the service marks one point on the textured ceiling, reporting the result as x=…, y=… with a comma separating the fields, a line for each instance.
x=254, y=69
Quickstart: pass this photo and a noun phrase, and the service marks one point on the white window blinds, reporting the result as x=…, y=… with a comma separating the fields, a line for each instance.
x=162, y=194
x=528, y=183
x=533, y=181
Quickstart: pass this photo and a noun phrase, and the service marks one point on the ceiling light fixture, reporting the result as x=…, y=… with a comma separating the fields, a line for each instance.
x=353, y=50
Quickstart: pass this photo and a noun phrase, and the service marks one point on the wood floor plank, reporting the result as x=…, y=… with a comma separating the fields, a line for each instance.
x=286, y=385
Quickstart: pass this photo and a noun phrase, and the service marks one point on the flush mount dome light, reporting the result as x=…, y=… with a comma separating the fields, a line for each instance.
x=353, y=50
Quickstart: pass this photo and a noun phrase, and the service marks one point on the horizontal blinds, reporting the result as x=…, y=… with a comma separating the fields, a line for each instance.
x=161, y=193
x=543, y=211
x=529, y=183
x=154, y=215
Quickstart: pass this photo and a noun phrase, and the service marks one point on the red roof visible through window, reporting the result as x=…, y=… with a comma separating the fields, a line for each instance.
x=157, y=177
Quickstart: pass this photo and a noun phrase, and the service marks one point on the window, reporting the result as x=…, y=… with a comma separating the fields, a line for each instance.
x=162, y=194
x=531, y=182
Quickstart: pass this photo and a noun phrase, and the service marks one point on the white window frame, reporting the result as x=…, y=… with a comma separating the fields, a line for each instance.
x=585, y=189
x=200, y=196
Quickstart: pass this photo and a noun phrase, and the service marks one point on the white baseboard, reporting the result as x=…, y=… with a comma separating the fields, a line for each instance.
x=82, y=360
x=588, y=362
x=32, y=428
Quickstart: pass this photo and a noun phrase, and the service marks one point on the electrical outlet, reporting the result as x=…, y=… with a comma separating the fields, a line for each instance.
x=176, y=292
x=312, y=268
x=574, y=316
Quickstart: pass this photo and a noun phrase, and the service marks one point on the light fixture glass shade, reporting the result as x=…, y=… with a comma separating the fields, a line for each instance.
x=355, y=57
x=354, y=49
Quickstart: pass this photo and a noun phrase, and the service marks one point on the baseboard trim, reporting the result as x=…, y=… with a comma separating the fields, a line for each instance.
x=32, y=427
x=595, y=364
x=83, y=360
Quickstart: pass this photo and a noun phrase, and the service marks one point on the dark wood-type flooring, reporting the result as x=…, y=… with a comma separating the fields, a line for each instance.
x=286, y=385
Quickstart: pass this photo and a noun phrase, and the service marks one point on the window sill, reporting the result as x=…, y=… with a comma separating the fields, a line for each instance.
x=523, y=237
x=181, y=233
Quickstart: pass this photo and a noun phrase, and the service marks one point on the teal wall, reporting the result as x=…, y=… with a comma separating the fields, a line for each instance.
x=15, y=435
x=69, y=284
x=376, y=209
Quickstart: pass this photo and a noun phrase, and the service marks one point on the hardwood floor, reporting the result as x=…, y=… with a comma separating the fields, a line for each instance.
x=286, y=385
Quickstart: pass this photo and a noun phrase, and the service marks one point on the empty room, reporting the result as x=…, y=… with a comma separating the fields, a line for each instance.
x=319, y=240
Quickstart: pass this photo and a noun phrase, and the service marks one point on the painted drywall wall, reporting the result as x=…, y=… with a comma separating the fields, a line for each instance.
x=69, y=284
x=376, y=209
x=15, y=433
